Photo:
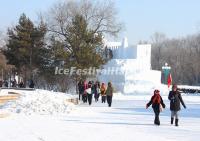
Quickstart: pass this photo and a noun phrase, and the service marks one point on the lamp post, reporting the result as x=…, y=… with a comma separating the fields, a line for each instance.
x=166, y=71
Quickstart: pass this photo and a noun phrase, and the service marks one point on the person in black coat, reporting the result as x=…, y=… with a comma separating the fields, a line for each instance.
x=31, y=84
x=156, y=102
x=90, y=94
x=175, y=100
x=96, y=91
x=6, y=83
x=21, y=84
x=84, y=95
x=1, y=83
x=80, y=89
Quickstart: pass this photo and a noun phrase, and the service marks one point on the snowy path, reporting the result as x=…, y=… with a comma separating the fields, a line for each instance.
x=126, y=120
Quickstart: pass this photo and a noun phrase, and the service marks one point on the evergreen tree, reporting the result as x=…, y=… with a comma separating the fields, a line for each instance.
x=84, y=45
x=25, y=46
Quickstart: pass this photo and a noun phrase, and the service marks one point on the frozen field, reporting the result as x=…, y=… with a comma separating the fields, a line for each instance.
x=126, y=120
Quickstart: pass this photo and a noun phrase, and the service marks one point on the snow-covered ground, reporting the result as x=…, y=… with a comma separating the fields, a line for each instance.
x=37, y=102
x=188, y=87
x=126, y=120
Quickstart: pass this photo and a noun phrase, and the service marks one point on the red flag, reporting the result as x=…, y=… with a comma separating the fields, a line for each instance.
x=169, y=80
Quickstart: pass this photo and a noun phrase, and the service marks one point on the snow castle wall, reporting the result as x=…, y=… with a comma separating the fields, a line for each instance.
x=132, y=68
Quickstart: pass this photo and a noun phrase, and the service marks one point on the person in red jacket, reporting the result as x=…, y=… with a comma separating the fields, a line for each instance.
x=156, y=102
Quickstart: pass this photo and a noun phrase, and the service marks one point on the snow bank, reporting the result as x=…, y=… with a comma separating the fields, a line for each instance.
x=39, y=102
x=188, y=87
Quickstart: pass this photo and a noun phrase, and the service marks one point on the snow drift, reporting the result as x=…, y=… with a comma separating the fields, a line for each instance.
x=39, y=102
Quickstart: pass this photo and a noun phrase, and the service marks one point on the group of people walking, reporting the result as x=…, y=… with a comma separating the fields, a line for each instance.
x=157, y=103
x=94, y=89
x=89, y=89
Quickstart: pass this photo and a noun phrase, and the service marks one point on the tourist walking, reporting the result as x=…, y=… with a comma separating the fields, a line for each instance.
x=21, y=84
x=84, y=96
x=96, y=91
x=109, y=94
x=90, y=91
x=175, y=100
x=157, y=104
x=31, y=84
x=80, y=89
x=103, y=92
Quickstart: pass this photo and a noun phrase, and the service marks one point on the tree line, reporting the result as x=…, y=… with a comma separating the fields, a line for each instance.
x=182, y=54
x=69, y=34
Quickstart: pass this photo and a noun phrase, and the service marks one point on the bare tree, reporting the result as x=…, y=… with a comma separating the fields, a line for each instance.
x=101, y=16
x=182, y=55
x=158, y=37
x=2, y=40
x=157, y=45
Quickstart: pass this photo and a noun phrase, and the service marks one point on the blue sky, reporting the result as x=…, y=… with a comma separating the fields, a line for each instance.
x=142, y=18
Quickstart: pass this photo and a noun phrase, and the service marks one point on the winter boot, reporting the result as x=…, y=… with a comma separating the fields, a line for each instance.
x=176, y=122
x=172, y=120
x=157, y=121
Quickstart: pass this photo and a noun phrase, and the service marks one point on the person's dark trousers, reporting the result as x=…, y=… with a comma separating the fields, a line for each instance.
x=79, y=96
x=103, y=99
x=90, y=99
x=157, y=120
x=109, y=100
x=95, y=97
x=176, y=122
x=98, y=97
x=172, y=120
x=84, y=98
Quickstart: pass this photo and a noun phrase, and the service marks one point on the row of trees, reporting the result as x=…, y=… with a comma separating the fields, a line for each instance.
x=181, y=54
x=69, y=34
